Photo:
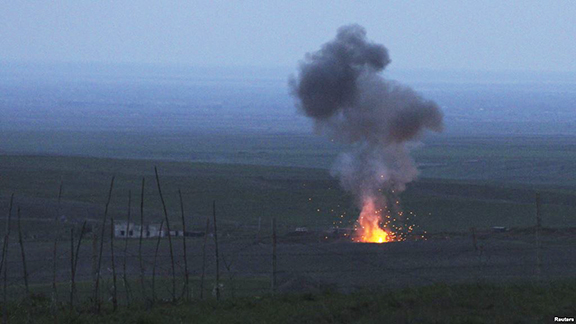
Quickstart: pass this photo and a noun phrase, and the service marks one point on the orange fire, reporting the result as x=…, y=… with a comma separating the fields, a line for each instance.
x=369, y=229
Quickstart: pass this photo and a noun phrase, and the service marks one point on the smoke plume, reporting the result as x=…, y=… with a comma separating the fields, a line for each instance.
x=341, y=88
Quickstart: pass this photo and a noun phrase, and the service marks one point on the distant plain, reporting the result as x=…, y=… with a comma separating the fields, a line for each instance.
x=234, y=136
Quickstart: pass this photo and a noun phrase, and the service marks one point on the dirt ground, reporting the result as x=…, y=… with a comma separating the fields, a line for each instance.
x=305, y=265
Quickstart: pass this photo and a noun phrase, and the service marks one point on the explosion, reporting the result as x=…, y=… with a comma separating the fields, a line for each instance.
x=340, y=87
x=370, y=225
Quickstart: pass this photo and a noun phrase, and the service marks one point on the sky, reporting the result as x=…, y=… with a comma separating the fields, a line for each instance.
x=476, y=35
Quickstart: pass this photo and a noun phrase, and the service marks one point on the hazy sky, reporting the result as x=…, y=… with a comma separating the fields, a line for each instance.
x=471, y=35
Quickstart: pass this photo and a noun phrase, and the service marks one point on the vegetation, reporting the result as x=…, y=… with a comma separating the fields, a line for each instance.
x=478, y=303
x=247, y=193
x=466, y=182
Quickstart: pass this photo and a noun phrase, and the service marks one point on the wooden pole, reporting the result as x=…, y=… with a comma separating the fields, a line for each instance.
x=4, y=241
x=126, y=239
x=169, y=236
x=76, y=256
x=204, y=257
x=5, y=262
x=474, y=239
x=113, y=263
x=72, y=284
x=155, y=261
x=231, y=283
x=273, y=278
x=94, y=252
x=186, y=275
x=55, y=249
x=140, y=260
x=98, y=267
x=538, y=238
x=216, y=251
x=54, y=289
x=23, y=253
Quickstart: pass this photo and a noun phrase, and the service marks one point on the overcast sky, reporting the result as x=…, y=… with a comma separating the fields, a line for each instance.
x=456, y=35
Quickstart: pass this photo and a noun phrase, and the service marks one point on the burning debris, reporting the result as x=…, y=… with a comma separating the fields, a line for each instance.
x=340, y=87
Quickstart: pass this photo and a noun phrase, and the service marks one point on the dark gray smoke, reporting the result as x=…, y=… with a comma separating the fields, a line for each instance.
x=341, y=88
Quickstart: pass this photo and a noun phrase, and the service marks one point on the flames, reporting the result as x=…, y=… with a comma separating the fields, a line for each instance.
x=386, y=224
x=382, y=220
x=370, y=225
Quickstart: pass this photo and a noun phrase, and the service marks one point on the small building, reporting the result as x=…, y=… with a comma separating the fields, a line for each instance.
x=132, y=230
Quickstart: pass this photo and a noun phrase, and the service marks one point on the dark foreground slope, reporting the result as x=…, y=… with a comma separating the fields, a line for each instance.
x=522, y=303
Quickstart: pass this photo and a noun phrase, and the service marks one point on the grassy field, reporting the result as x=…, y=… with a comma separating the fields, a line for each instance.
x=247, y=193
x=526, y=160
x=480, y=303
x=465, y=182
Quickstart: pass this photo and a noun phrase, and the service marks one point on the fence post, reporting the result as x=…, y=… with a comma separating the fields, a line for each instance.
x=126, y=239
x=155, y=260
x=259, y=227
x=75, y=263
x=97, y=280
x=4, y=243
x=538, y=238
x=22, y=252
x=143, y=291
x=216, y=251
x=186, y=276
x=169, y=236
x=5, y=262
x=72, y=269
x=273, y=278
x=54, y=252
x=94, y=251
x=5, y=279
x=113, y=263
x=474, y=239
x=204, y=257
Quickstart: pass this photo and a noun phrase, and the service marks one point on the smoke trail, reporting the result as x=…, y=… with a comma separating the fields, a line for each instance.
x=340, y=87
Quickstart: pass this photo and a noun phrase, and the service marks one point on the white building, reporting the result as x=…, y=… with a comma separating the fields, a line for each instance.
x=132, y=230
x=150, y=230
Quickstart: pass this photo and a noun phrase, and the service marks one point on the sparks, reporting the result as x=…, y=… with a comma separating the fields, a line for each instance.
x=382, y=225
x=370, y=230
